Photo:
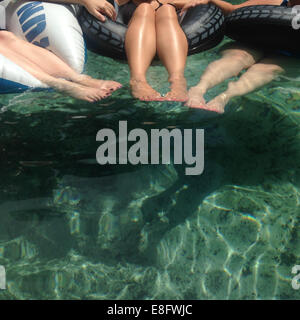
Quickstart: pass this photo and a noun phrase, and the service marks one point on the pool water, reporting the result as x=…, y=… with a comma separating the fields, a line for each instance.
x=72, y=229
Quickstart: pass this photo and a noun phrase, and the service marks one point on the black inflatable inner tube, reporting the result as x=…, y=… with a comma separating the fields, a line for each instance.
x=203, y=25
x=269, y=27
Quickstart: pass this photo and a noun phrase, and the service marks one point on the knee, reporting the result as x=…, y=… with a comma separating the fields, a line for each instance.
x=145, y=9
x=242, y=57
x=232, y=85
x=166, y=11
x=6, y=36
x=267, y=68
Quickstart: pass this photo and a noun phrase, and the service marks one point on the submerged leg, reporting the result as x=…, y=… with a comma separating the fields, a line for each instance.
x=140, y=46
x=172, y=48
x=233, y=61
x=255, y=77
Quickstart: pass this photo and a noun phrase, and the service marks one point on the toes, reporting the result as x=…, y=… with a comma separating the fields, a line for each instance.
x=152, y=98
x=194, y=103
x=189, y=103
x=205, y=107
x=176, y=97
x=89, y=99
x=96, y=98
x=147, y=98
x=117, y=85
x=103, y=94
x=111, y=85
x=106, y=94
x=144, y=98
x=213, y=109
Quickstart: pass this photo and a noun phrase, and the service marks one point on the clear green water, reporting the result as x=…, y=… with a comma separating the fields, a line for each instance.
x=72, y=229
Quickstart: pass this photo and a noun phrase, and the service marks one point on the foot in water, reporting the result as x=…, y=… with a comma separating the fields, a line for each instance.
x=141, y=90
x=88, y=81
x=218, y=103
x=196, y=98
x=76, y=90
x=107, y=85
x=87, y=93
x=178, y=91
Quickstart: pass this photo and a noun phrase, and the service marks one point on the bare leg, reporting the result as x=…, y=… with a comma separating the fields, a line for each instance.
x=51, y=64
x=73, y=89
x=172, y=48
x=256, y=76
x=140, y=46
x=233, y=61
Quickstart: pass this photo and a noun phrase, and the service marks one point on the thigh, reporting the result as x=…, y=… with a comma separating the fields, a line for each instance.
x=236, y=49
x=289, y=65
x=140, y=10
x=154, y=3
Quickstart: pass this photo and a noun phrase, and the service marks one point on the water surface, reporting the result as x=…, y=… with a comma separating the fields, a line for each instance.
x=72, y=229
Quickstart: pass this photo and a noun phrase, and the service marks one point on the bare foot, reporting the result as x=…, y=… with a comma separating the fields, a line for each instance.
x=107, y=85
x=86, y=93
x=178, y=91
x=196, y=99
x=218, y=103
x=76, y=90
x=140, y=89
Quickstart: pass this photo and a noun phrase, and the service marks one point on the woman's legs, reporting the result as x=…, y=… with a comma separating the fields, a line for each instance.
x=71, y=88
x=256, y=76
x=172, y=48
x=43, y=62
x=233, y=61
x=140, y=46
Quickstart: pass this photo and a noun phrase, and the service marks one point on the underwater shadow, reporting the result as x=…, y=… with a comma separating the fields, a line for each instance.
x=246, y=147
x=255, y=146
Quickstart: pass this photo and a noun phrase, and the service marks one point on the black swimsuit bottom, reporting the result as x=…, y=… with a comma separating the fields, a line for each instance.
x=128, y=9
x=284, y=3
x=161, y=4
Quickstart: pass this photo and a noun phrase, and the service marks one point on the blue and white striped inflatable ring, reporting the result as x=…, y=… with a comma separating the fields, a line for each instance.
x=52, y=26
